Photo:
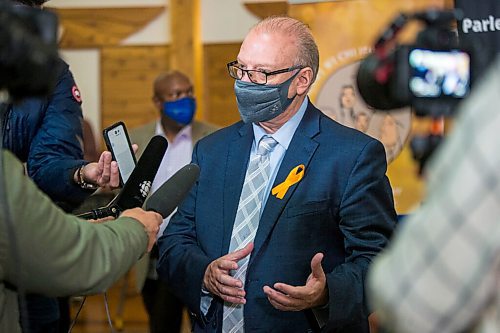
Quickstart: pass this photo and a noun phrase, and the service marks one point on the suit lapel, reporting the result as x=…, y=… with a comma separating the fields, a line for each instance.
x=237, y=161
x=300, y=151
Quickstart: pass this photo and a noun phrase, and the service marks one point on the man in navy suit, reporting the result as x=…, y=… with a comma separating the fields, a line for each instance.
x=325, y=210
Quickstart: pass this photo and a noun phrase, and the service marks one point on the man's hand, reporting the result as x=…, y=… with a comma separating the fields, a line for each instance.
x=150, y=220
x=314, y=294
x=218, y=281
x=102, y=173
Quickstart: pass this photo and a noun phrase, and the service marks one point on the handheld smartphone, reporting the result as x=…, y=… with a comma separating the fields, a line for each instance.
x=118, y=143
x=436, y=74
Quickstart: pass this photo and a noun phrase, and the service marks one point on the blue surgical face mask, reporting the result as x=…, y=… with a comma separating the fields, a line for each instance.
x=181, y=111
x=257, y=103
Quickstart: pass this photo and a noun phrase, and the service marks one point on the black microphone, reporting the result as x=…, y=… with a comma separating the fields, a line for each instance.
x=136, y=189
x=171, y=193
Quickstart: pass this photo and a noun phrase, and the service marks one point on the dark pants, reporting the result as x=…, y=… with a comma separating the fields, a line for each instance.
x=163, y=308
x=65, y=314
x=42, y=315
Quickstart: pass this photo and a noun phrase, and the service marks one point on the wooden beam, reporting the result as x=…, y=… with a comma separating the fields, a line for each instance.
x=265, y=8
x=96, y=27
x=186, y=45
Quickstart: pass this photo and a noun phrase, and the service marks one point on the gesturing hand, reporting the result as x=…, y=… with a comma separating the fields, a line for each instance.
x=314, y=294
x=218, y=281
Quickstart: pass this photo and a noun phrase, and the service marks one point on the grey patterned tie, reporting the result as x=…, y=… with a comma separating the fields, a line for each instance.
x=246, y=224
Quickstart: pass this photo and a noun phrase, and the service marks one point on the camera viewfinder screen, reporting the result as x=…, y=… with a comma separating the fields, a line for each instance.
x=439, y=73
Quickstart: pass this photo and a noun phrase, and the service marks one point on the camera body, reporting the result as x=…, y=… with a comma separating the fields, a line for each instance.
x=432, y=75
x=28, y=53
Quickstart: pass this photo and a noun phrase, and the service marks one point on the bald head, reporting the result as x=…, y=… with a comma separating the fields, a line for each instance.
x=306, y=50
x=172, y=85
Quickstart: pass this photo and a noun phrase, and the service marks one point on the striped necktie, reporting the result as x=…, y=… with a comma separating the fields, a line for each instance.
x=247, y=222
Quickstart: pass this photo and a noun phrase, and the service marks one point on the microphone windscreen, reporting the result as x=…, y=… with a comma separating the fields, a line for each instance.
x=138, y=185
x=171, y=193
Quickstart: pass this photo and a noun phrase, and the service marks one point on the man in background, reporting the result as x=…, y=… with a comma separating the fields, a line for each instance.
x=174, y=100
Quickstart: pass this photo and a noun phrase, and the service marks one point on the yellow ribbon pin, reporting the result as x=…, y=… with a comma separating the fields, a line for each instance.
x=293, y=178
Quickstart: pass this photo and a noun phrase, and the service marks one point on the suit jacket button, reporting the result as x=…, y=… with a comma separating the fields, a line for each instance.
x=214, y=323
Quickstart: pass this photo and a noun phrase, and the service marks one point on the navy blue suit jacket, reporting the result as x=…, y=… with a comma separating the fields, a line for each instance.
x=342, y=207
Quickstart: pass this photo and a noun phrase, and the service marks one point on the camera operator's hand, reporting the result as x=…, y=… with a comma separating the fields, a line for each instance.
x=150, y=220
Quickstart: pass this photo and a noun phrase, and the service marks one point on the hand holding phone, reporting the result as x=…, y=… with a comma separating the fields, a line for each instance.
x=118, y=143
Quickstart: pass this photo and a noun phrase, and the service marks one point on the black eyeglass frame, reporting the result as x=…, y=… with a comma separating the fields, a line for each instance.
x=279, y=71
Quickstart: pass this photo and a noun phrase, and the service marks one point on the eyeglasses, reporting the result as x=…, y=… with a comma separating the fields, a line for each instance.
x=255, y=76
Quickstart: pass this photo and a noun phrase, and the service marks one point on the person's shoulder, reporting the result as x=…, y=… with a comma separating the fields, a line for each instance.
x=222, y=135
x=147, y=128
x=66, y=86
x=206, y=126
x=142, y=134
x=63, y=70
x=201, y=129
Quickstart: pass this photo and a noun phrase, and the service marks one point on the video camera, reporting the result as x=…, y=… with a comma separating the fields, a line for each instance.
x=28, y=51
x=432, y=75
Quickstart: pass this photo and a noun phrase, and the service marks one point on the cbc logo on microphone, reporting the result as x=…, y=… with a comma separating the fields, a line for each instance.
x=145, y=187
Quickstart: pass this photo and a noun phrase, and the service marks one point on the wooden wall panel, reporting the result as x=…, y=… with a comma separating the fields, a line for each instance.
x=264, y=9
x=94, y=27
x=127, y=75
x=220, y=102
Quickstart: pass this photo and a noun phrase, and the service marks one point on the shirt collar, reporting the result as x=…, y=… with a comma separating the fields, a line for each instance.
x=285, y=133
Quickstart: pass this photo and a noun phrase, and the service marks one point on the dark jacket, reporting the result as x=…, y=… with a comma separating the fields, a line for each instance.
x=46, y=133
x=342, y=207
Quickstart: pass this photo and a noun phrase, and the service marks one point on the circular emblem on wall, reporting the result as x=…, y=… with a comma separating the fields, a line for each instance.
x=339, y=99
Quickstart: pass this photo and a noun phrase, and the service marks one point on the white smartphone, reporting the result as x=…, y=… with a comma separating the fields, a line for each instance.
x=118, y=143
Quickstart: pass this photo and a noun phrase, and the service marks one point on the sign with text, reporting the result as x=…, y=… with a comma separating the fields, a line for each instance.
x=345, y=32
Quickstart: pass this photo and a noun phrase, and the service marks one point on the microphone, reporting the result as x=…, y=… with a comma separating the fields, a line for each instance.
x=171, y=193
x=136, y=189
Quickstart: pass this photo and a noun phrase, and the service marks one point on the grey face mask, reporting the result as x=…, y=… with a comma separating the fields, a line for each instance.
x=257, y=103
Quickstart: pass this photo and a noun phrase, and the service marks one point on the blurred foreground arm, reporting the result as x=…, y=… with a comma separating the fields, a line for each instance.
x=441, y=272
x=62, y=255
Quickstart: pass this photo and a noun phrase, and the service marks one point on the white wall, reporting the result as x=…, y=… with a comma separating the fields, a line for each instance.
x=157, y=32
x=225, y=21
